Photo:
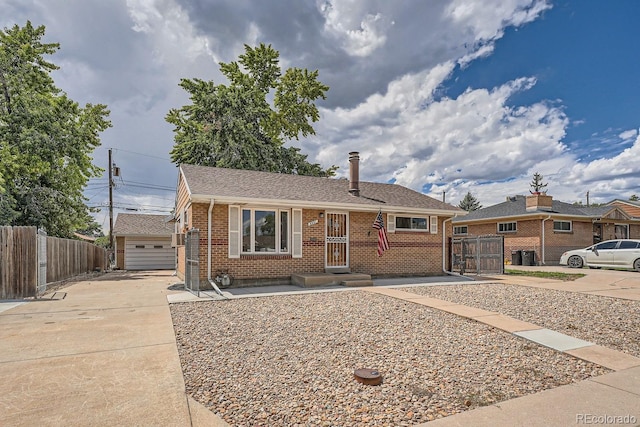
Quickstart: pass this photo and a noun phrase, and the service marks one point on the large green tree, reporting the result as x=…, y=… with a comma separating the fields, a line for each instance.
x=46, y=139
x=469, y=203
x=236, y=125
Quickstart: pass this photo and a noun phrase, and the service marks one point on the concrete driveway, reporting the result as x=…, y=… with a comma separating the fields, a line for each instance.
x=611, y=283
x=102, y=353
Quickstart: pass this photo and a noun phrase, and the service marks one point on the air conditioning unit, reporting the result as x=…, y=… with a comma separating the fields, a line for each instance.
x=177, y=239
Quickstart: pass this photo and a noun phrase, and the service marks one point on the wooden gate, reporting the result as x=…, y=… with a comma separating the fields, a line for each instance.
x=478, y=255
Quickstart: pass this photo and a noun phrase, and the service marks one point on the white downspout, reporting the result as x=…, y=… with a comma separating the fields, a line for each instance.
x=542, y=249
x=444, y=247
x=209, y=214
x=211, y=282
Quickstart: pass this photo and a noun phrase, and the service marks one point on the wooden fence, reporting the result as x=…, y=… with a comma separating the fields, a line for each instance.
x=65, y=258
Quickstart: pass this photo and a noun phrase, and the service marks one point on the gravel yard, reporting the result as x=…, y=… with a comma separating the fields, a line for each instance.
x=289, y=360
x=610, y=322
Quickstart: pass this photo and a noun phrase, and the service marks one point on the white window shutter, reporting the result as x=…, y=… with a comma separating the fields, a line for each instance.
x=234, y=232
x=434, y=225
x=296, y=235
x=391, y=223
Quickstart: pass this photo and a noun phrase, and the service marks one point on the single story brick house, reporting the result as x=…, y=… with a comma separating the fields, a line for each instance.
x=547, y=227
x=630, y=207
x=143, y=242
x=262, y=227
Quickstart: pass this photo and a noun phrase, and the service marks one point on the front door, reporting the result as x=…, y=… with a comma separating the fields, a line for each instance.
x=337, y=242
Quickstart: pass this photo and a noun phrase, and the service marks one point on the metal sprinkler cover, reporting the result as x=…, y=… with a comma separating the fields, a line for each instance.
x=368, y=376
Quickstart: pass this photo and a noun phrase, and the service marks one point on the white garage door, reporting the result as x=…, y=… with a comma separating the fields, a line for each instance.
x=149, y=253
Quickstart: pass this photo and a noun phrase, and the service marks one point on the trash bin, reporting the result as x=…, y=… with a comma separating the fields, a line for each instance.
x=516, y=257
x=528, y=257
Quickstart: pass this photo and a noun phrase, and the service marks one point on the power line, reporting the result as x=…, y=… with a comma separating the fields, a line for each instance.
x=142, y=154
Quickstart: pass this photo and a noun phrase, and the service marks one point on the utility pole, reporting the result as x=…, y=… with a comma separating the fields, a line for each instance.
x=110, y=201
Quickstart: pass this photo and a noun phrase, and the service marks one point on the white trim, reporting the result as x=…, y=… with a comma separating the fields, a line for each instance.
x=433, y=226
x=296, y=233
x=234, y=231
x=391, y=223
x=411, y=218
x=507, y=231
x=277, y=223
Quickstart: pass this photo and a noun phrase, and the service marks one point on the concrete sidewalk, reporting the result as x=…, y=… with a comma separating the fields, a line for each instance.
x=103, y=353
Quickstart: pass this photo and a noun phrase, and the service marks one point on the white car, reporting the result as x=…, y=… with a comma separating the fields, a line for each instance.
x=621, y=253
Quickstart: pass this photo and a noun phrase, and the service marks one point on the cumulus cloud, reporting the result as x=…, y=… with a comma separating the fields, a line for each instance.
x=360, y=32
x=628, y=134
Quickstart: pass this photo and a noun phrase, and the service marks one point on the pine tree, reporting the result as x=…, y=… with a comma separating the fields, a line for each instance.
x=469, y=203
x=537, y=184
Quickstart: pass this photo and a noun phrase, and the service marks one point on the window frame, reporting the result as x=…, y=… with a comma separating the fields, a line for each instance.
x=560, y=230
x=411, y=218
x=278, y=230
x=458, y=233
x=515, y=227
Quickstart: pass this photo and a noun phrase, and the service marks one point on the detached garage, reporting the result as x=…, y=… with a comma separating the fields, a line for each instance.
x=143, y=242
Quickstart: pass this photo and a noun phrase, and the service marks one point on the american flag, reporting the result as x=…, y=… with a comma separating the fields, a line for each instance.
x=383, y=242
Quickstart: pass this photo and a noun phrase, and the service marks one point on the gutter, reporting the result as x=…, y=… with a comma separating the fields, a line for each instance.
x=211, y=282
x=543, y=245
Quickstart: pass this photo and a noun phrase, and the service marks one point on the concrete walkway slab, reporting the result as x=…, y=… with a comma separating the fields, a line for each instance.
x=506, y=323
x=553, y=339
x=606, y=357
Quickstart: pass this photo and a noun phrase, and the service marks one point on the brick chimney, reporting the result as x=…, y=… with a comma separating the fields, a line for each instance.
x=354, y=173
x=539, y=201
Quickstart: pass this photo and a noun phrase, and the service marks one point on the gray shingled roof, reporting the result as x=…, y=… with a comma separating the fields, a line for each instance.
x=247, y=184
x=142, y=224
x=516, y=206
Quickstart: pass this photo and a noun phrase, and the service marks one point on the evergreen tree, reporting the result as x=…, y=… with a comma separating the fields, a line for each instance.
x=537, y=185
x=469, y=203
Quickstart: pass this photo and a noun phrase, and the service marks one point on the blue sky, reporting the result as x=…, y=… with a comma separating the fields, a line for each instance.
x=582, y=54
x=443, y=96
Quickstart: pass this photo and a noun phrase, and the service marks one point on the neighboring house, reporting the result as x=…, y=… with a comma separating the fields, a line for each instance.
x=143, y=242
x=548, y=227
x=263, y=227
x=631, y=208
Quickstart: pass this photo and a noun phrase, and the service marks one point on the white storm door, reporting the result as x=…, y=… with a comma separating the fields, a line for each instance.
x=337, y=240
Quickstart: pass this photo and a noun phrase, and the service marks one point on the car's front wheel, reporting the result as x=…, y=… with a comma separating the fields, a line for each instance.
x=574, y=262
x=636, y=265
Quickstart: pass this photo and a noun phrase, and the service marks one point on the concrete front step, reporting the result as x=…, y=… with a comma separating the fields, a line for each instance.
x=312, y=280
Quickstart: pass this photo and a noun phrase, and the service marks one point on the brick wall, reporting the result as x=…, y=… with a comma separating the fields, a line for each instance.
x=529, y=237
x=410, y=253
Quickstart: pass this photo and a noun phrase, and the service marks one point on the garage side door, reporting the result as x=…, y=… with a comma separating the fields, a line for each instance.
x=149, y=254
